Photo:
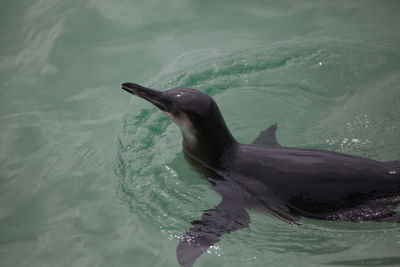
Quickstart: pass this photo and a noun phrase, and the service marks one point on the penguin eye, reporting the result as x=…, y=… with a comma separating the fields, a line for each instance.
x=179, y=94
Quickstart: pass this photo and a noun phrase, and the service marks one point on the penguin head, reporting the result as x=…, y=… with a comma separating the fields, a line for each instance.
x=192, y=110
x=205, y=134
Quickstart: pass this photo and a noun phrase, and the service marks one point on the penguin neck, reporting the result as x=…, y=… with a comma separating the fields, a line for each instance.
x=210, y=144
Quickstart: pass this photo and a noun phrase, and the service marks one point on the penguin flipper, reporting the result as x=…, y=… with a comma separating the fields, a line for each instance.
x=267, y=137
x=223, y=219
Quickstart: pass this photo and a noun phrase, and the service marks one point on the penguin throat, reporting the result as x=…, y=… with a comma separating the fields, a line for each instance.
x=189, y=138
x=207, y=146
x=187, y=129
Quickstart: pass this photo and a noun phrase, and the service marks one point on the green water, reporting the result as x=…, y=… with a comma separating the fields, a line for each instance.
x=91, y=176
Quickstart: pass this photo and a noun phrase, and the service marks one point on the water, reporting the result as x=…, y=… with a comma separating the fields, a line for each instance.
x=90, y=176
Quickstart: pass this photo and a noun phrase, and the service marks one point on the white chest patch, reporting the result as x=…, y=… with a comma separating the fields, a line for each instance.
x=186, y=126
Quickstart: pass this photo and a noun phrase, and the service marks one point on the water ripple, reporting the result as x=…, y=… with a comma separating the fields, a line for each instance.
x=321, y=91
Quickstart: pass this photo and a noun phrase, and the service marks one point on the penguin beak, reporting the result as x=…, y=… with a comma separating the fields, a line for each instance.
x=153, y=96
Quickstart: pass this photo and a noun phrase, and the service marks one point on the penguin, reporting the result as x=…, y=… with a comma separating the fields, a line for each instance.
x=288, y=183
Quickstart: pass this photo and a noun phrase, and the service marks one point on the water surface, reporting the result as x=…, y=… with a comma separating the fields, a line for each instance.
x=91, y=176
